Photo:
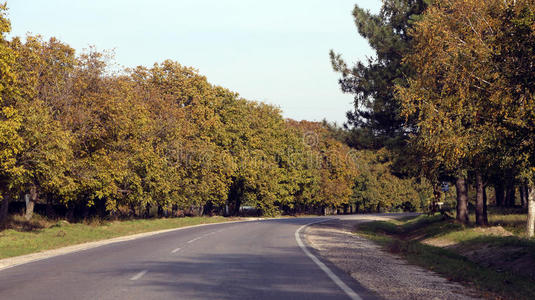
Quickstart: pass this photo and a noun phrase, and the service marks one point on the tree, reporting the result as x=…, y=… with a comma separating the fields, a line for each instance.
x=111, y=143
x=448, y=94
x=376, y=188
x=45, y=153
x=473, y=90
x=376, y=121
x=516, y=87
x=330, y=166
x=10, y=118
x=257, y=137
x=376, y=116
x=186, y=111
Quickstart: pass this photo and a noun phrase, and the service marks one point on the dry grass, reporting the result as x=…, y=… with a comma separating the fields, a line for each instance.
x=19, y=223
x=515, y=223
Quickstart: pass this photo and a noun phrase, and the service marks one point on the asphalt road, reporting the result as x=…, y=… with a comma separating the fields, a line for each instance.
x=248, y=260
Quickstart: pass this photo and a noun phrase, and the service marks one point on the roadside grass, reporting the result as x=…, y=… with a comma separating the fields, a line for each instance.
x=512, y=219
x=452, y=253
x=39, y=234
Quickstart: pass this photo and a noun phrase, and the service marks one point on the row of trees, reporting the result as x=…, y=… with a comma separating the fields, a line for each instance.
x=472, y=94
x=79, y=133
x=452, y=92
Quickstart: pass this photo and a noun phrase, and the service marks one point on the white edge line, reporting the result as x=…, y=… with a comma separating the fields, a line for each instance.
x=349, y=292
x=139, y=275
x=176, y=250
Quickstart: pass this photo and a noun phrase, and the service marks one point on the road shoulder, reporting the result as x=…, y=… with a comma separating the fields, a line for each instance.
x=376, y=270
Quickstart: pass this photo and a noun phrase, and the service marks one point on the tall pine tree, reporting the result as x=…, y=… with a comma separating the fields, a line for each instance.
x=375, y=120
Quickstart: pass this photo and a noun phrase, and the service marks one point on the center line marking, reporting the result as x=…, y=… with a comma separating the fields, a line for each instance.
x=176, y=250
x=139, y=275
x=191, y=241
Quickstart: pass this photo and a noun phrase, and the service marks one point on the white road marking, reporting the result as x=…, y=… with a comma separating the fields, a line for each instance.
x=197, y=238
x=349, y=292
x=139, y=275
x=204, y=235
x=176, y=250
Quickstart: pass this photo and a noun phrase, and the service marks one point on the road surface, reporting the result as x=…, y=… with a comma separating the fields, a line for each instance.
x=246, y=260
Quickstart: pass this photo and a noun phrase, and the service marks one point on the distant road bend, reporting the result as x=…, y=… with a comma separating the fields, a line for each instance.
x=248, y=260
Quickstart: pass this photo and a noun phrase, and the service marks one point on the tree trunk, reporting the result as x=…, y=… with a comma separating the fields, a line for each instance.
x=485, y=204
x=174, y=210
x=510, y=194
x=49, y=208
x=499, y=191
x=481, y=218
x=237, y=207
x=436, y=199
x=30, y=204
x=86, y=212
x=4, y=209
x=525, y=190
x=70, y=212
x=462, y=200
x=132, y=210
x=147, y=210
x=522, y=195
x=531, y=212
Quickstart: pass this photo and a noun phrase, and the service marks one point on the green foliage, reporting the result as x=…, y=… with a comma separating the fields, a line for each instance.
x=111, y=143
x=471, y=95
x=376, y=120
x=10, y=118
x=377, y=189
x=46, y=149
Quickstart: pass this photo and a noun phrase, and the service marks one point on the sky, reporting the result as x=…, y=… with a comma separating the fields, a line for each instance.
x=272, y=51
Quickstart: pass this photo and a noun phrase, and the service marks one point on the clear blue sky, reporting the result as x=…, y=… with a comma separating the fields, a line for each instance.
x=273, y=51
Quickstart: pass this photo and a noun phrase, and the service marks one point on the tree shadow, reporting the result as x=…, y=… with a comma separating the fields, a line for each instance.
x=232, y=276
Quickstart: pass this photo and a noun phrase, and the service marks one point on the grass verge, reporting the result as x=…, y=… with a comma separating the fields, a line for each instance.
x=40, y=234
x=411, y=239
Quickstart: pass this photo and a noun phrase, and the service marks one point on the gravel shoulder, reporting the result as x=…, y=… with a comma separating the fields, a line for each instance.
x=376, y=270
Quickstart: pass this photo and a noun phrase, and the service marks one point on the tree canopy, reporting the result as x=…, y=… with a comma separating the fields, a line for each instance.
x=82, y=136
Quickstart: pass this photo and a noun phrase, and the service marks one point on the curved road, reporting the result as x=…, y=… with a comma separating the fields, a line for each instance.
x=245, y=260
